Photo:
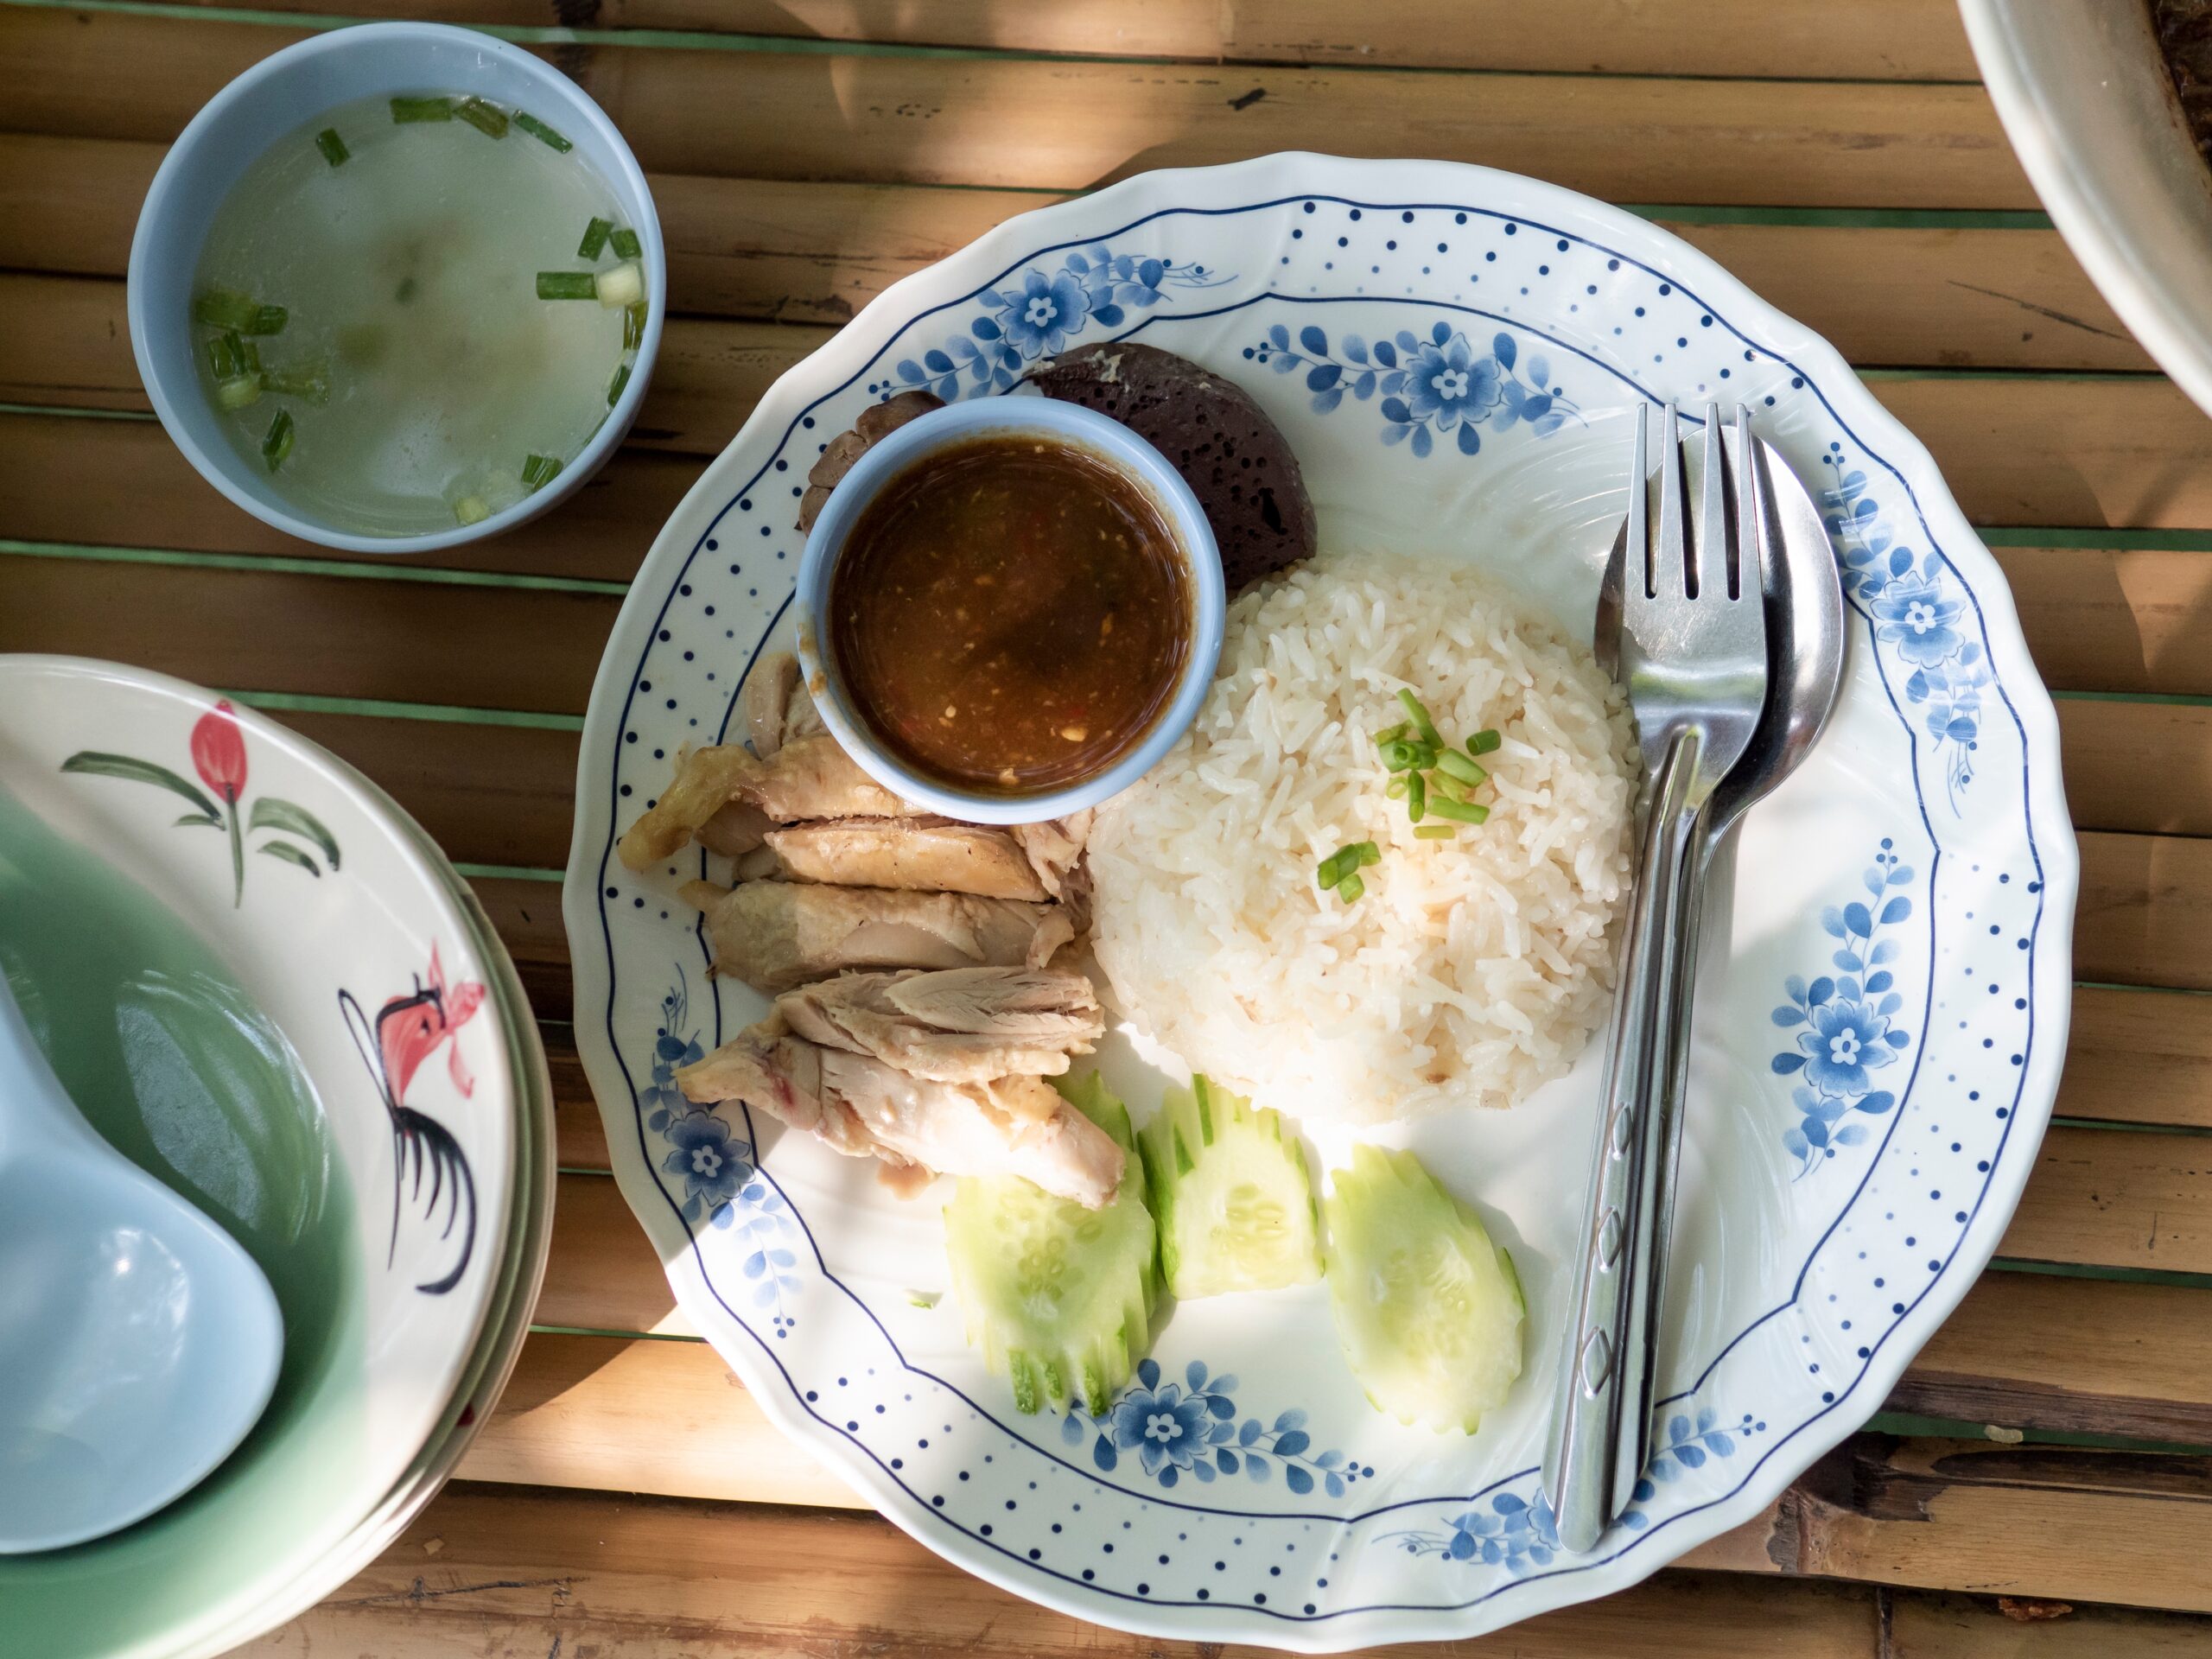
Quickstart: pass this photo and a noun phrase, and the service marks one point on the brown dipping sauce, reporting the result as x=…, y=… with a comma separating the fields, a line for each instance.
x=1011, y=615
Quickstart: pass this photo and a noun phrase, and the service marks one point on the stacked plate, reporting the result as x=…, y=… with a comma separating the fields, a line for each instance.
x=403, y=1221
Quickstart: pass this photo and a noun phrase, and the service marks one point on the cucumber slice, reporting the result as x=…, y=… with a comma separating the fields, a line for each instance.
x=1057, y=1297
x=1235, y=1209
x=1428, y=1310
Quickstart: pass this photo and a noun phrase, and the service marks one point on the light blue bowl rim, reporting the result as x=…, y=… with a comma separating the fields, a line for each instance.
x=940, y=428
x=578, y=107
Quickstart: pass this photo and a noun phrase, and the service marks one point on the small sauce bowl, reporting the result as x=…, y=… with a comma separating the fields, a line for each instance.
x=275, y=98
x=1104, y=440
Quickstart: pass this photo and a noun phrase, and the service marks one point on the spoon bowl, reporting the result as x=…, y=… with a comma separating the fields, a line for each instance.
x=138, y=1342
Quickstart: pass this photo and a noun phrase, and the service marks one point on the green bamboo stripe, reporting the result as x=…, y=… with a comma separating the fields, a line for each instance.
x=508, y=871
x=2096, y=537
x=594, y=1330
x=2117, y=1276
x=700, y=40
x=305, y=703
x=373, y=571
x=66, y=410
x=2165, y=699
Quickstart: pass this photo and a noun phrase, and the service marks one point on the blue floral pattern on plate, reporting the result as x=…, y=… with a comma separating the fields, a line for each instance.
x=1513, y=1532
x=1039, y=312
x=1845, y=1021
x=1428, y=386
x=1917, y=608
x=1191, y=1429
x=712, y=1165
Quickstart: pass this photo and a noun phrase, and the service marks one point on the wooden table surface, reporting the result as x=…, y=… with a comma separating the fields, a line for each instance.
x=2038, y=1485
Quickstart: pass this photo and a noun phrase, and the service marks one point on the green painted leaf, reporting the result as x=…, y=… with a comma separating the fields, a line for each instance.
x=197, y=821
x=292, y=854
x=270, y=813
x=141, y=772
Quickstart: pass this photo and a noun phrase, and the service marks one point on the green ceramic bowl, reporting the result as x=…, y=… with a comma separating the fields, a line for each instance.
x=311, y=897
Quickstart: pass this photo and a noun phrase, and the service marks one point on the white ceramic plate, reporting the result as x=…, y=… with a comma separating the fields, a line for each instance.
x=1452, y=353
x=422, y=1076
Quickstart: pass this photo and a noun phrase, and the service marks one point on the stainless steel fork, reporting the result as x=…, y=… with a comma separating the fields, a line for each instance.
x=1691, y=650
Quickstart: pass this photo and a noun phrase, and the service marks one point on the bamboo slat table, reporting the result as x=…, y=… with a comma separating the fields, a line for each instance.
x=2040, y=1484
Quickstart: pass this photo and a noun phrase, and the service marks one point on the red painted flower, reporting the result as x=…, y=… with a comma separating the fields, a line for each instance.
x=219, y=751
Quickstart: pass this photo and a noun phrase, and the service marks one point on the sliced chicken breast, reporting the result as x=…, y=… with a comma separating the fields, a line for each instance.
x=961, y=1024
x=706, y=780
x=765, y=699
x=807, y=778
x=861, y=1106
x=776, y=935
x=1054, y=849
x=777, y=706
x=814, y=777
x=916, y=855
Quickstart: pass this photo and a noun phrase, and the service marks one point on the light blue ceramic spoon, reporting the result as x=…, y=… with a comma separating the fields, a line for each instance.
x=138, y=1342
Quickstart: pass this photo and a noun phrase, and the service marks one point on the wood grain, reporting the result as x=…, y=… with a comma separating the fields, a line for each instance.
x=2040, y=1351
x=778, y=252
x=662, y=1417
x=488, y=794
x=1969, y=1627
x=57, y=484
x=496, y=1573
x=2138, y=1056
x=1870, y=40
x=506, y=1572
x=2145, y=916
x=1005, y=121
x=2002, y=1521
x=2115, y=619
x=526, y=915
x=514, y=648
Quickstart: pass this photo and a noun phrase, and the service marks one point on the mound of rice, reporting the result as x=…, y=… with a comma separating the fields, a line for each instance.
x=1474, y=969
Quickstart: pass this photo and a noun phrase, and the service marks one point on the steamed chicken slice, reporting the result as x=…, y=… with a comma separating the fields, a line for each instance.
x=860, y=1107
x=1054, y=849
x=961, y=1024
x=916, y=855
x=776, y=935
x=777, y=706
x=806, y=778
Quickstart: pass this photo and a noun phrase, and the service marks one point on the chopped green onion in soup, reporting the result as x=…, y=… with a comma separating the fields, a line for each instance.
x=537, y=130
x=387, y=257
x=487, y=118
x=567, y=285
x=278, y=443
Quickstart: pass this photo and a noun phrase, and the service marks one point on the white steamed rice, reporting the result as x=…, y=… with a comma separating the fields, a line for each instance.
x=1473, y=969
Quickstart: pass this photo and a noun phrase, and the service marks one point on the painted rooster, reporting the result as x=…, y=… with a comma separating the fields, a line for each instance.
x=406, y=1032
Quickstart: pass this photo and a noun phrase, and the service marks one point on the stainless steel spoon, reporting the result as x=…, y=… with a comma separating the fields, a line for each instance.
x=1805, y=653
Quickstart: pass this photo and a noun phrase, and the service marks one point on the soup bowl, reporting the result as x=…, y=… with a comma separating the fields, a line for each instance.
x=275, y=99
x=1101, y=438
